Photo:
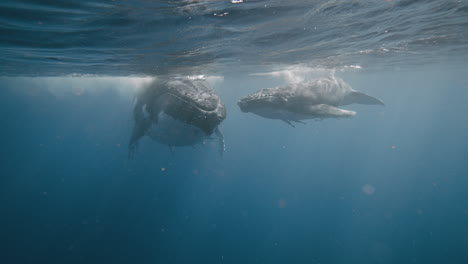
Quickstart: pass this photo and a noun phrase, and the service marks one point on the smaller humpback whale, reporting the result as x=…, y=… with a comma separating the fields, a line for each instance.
x=316, y=99
x=177, y=112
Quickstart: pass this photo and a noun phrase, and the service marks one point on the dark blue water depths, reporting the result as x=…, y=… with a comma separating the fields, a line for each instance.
x=386, y=186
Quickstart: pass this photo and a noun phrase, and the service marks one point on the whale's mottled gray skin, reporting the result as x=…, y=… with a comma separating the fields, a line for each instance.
x=177, y=112
x=306, y=100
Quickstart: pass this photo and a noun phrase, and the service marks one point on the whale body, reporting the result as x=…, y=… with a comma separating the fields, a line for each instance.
x=177, y=112
x=316, y=99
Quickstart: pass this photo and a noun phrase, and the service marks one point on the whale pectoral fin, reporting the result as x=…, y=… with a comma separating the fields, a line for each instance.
x=362, y=98
x=325, y=111
x=288, y=122
x=222, y=146
x=152, y=113
x=300, y=122
x=139, y=130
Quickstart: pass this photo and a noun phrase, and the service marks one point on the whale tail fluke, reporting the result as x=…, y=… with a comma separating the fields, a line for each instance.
x=362, y=98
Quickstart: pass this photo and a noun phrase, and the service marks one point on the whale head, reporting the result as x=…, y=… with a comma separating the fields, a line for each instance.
x=260, y=100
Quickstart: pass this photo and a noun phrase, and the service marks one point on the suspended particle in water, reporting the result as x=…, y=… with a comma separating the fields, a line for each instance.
x=282, y=203
x=163, y=169
x=368, y=189
x=393, y=147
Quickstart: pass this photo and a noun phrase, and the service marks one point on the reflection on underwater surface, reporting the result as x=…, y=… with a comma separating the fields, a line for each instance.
x=50, y=38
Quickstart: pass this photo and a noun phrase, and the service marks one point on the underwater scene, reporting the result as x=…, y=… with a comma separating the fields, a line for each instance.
x=234, y=131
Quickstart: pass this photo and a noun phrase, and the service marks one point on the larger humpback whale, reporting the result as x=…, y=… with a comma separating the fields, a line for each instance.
x=318, y=98
x=177, y=112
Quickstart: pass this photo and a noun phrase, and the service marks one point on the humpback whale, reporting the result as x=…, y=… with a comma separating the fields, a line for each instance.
x=316, y=99
x=177, y=112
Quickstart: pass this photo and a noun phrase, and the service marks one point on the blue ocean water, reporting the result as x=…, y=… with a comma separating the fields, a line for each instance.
x=386, y=186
